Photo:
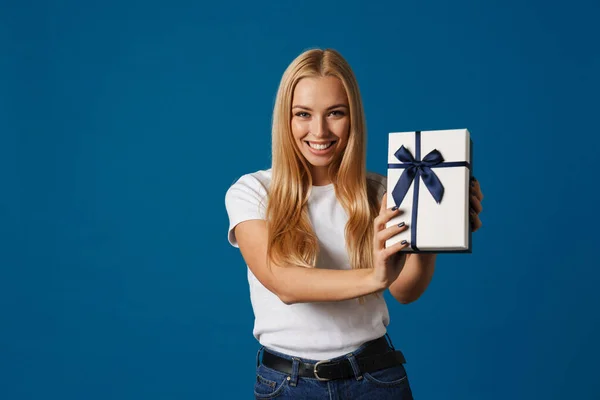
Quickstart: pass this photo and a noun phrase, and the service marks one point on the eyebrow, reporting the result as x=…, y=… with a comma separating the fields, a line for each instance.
x=328, y=108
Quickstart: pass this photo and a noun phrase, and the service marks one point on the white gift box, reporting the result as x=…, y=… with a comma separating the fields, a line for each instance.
x=442, y=227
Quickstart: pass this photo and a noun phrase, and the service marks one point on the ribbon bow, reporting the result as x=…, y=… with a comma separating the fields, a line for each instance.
x=415, y=169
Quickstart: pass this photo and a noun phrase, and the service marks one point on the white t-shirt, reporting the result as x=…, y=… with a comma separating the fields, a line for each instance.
x=317, y=330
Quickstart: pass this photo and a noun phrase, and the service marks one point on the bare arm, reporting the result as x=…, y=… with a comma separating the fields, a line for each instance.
x=418, y=269
x=414, y=277
x=294, y=284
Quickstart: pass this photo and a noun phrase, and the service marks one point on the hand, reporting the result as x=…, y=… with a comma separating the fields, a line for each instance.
x=475, y=204
x=387, y=262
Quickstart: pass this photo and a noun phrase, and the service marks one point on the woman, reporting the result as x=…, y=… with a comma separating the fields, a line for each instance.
x=311, y=230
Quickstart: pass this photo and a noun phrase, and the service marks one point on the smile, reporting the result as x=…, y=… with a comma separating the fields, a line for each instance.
x=320, y=146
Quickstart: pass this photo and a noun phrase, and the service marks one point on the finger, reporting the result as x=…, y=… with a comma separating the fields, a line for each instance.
x=393, y=249
x=475, y=188
x=477, y=193
x=388, y=233
x=385, y=214
x=383, y=205
x=475, y=204
x=379, y=223
x=475, y=222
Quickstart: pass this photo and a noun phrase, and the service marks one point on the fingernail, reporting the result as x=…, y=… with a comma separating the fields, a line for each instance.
x=401, y=224
x=403, y=242
x=394, y=208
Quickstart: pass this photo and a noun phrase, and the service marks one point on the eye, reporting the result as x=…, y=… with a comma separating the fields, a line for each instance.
x=302, y=114
x=337, y=113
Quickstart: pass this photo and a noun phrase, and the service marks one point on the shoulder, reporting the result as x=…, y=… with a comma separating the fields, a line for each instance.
x=376, y=187
x=254, y=183
x=377, y=181
x=246, y=199
x=248, y=194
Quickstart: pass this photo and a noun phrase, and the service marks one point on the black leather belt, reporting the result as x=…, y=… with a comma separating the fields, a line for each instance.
x=377, y=355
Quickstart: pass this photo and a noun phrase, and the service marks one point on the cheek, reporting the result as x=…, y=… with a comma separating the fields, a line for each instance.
x=298, y=129
x=343, y=130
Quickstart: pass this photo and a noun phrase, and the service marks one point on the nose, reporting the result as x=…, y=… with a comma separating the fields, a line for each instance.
x=319, y=127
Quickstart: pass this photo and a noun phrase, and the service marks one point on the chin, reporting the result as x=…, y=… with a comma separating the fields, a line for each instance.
x=318, y=163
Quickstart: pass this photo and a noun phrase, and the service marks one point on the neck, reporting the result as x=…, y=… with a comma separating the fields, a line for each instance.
x=320, y=176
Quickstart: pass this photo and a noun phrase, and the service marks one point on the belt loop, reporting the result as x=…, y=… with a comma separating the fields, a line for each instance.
x=390, y=341
x=295, y=367
x=258, y=356
x=355, y=367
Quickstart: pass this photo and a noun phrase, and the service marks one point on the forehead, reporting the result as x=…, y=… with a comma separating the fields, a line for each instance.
x=319, y=91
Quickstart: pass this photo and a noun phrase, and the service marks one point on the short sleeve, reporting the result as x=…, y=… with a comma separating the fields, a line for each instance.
x=245, y=200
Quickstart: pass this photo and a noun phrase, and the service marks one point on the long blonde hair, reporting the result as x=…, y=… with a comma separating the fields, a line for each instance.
x=292, y=240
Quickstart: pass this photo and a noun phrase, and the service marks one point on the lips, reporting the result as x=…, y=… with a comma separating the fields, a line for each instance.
x=321, y=145
x=321, y=148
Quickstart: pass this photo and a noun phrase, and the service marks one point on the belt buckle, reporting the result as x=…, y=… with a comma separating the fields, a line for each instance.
x=315, y=371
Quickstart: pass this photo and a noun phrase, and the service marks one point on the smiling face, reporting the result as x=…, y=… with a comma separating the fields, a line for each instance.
x=320, y=122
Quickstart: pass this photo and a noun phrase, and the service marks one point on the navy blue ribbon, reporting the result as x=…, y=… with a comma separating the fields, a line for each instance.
x=414, y=167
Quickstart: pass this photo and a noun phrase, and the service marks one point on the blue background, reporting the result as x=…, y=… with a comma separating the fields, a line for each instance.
x=122, y=124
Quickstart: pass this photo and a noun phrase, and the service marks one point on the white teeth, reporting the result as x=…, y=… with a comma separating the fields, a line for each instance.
x=320, y=146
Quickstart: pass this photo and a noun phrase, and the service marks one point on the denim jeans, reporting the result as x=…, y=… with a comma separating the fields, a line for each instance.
x=389, y=383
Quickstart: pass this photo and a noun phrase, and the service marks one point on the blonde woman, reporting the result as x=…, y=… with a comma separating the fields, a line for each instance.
x=311, y=230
